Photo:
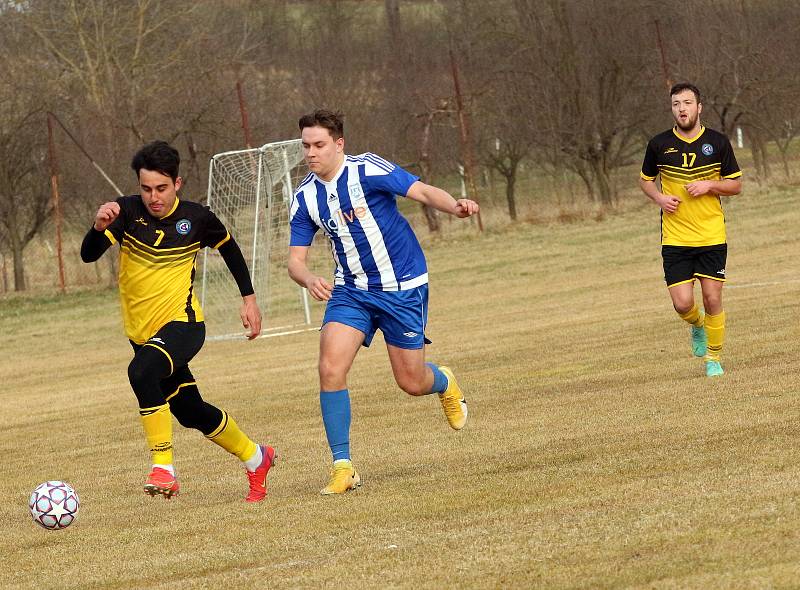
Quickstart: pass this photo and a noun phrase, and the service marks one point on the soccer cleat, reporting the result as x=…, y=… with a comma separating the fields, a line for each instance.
x=161, y=481
x=699, y=344
x=453, y=402
x=343, y=478
x=713, y=369
x=258, y=478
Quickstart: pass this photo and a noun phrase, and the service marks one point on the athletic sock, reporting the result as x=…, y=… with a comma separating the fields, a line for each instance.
x=157, y=423
x=439, y=379
x=715, y=335
x=335, y=406
x=693, y=316
x=253, y=462
x=229, y=436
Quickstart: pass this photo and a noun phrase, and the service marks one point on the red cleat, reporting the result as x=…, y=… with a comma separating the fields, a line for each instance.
x=258, y=478
x=161, y=481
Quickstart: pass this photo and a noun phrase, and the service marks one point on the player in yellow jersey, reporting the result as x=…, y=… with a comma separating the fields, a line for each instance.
x=697, y=167
x=160, y=236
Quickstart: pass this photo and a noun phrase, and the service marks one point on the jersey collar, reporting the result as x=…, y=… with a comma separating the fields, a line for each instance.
x=690, y=140
x=174, y=206
x=336, y=176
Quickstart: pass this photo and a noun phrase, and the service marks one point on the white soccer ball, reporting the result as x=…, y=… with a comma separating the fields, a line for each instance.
x=54, y=505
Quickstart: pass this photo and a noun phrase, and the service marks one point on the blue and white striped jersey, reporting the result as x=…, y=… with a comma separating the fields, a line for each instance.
x=373, y=245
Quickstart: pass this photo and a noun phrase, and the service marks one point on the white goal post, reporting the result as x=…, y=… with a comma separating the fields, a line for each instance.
x=251, y=192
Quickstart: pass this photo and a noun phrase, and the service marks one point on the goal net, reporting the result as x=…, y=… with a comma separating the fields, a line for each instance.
x=251, y=191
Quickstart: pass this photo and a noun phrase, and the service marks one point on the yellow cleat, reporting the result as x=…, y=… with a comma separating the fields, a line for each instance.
x=453, y=402
x=343, y=479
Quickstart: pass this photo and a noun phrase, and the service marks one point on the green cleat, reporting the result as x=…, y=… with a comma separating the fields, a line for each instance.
x=699, y=341
x=713, y=369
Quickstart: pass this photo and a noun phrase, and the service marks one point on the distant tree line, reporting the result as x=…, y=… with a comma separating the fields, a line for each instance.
x=553, y=85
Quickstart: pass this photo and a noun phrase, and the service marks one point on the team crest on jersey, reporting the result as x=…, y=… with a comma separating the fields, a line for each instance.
x=355, y=191
x=707, y=149
x=183, y=227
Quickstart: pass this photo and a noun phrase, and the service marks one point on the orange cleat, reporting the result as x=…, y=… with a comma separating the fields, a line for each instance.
x=258, y=478
x=161, y=481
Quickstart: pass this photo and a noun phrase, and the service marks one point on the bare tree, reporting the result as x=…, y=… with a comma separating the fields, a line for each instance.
x=585, y=86
x=24, y=194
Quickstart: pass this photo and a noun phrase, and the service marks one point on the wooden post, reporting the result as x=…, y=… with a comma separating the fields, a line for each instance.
x=248, y=141
x=56, y=201
x=664, y=68
x=466, y=143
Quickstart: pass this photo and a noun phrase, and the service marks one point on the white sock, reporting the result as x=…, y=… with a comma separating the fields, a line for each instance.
x=253, y=462
x=169, y=468
x=341, y=461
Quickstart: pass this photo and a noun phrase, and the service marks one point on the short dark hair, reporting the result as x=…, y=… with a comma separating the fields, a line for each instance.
x=681, y=86
x=330, y=120
x=158, y=156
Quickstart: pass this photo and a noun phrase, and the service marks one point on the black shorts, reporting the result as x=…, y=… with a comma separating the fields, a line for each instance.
x=180, y=342
x=685, y=263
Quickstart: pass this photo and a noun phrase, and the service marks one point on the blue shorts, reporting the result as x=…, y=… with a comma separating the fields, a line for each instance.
x=400, y=315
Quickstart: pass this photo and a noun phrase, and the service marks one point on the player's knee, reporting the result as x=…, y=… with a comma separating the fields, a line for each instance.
x=682, y=305
x=411, y=385
x=185, y=410
x=204, y=419
x=140, y=376
x=331, y=375
x=147, y=390
x=712, y=303
x=191, y=411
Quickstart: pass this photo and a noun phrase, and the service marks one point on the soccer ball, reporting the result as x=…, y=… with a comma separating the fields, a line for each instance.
x=54, y=505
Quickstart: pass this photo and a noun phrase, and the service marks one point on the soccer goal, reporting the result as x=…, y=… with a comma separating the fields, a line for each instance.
x=251, y=192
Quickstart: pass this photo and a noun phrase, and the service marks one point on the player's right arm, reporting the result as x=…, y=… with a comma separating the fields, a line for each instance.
x=647, y=178
x=668, y=203
x=105, y=215
x=319, y=288
x=302, y=229
x=95, y=243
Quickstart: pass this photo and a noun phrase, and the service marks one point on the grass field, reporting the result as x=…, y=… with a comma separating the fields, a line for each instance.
x=597, y=454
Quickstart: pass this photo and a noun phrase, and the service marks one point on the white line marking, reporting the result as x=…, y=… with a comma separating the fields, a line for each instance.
x=243, y=336
x=767, y=284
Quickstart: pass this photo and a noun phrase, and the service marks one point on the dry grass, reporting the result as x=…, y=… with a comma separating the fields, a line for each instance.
x=597, y=454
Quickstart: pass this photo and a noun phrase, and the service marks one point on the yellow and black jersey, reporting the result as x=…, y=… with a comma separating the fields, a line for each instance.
x=698, y=221
x=157, y=262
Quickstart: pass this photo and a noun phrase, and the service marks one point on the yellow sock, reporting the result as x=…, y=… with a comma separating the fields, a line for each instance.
x=715, y=334
x=157, y=424
x=693, y=316
x=229, y=436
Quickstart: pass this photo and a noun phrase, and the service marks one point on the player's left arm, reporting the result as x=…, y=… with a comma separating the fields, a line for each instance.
x=441, y=200
x=725, y=187
x=215, y=235
x=249, y=311
x=731, y=182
